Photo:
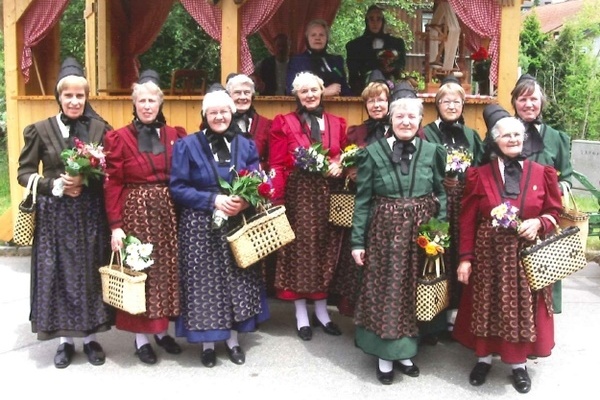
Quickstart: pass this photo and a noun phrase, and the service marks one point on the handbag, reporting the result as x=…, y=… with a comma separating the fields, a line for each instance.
x=571, y=216
x=433, y=289
x=553, y=258
x=25, y=223
x=260, y=236
x=122, y=287
x=341, y=206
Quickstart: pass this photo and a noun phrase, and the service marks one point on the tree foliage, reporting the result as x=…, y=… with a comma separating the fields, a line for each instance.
x=532, y=42
x=570, y=76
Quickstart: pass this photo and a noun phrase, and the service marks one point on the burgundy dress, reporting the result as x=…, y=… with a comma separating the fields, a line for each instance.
x=305, y=267
x=138, y=201
x=498, y=312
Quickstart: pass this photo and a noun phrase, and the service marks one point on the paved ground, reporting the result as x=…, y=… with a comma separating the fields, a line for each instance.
x=279, y=365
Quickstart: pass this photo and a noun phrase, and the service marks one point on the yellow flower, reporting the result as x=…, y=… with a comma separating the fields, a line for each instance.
x=432, y=249
x=350, y=147
x=499, y=211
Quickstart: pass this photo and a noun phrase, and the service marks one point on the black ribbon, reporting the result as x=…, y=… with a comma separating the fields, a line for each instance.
x=78, y=128
x=513, y=171
x=310, y=117
x=401, y=151
x=148, y=138
x=376, y=129
x=533, y=142
x=218, y=145
x=245, y=118
x=453, y=134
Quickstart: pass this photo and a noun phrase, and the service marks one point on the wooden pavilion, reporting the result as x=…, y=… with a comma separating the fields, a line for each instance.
x=30, y=80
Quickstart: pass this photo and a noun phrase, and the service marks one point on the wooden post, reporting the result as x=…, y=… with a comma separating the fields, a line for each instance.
x=89, y=14
x=12, y=12
x=510, y=28
x=231, y=31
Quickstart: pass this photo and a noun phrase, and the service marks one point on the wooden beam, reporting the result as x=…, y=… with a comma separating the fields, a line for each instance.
x=20, y=7
x=231, y=31
x=91, y=38
x=12, y=12
x=510, y=29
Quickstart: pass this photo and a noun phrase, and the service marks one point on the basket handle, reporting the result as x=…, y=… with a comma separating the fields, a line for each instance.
x=568, y=197
x=119, y=258
x=439, y=265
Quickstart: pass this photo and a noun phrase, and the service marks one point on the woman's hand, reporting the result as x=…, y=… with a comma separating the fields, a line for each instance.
x=333, y=90
x=359, y=256
x=464, y=272
x=230, y=205
x=116, y=239
x=529, y=229
x=352, y=173
x=335, y=170
x=72, y=185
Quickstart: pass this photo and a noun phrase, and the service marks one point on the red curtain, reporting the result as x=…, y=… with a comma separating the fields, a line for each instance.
x=291, y=19
x=142, y=26
x=254, y=14
x=483, y=19
x=40, y=17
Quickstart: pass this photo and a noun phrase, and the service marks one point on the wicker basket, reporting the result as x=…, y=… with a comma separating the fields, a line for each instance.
x=260, y=236
x=123, y=288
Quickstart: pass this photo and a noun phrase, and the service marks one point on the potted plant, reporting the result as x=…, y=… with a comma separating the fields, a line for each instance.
x=481, y=70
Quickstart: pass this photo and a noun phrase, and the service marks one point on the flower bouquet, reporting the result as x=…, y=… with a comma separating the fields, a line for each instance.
x=457, y=161
x=348, y=158
x=254, y=186
x=88, y=160
x=138, y=255
x=505, y=215
x=433, y=237
x=312, y=159
x=432, y=286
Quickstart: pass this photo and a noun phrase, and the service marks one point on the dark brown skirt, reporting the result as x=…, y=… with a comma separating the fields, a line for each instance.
x=307, y=265
x=149, y=215
x=386, y=303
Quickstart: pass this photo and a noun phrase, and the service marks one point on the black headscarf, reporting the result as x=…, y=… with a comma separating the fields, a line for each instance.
x=376, y=129
x=78, y=128
x=401, y=151
x=310, y=117
x=533, y=142
x=217, y=142
x=513, y=171
x=245, y=117
x=453, y=134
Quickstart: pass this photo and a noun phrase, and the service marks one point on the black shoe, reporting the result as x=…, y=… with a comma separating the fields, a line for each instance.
x=479, y=373
x=146, y=354
x=521, y=380
x=236, y=354
x=64, y=355
x=95, y=353
x=305, y=333
x=208, y=358
x=329, y=328
x=169, y=344
x=430, y=340
x=385, y=378
x=410, y=370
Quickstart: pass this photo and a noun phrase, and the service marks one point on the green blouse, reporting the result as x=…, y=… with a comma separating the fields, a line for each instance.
x=433, y=134
x=378, y=176
x=556, y=153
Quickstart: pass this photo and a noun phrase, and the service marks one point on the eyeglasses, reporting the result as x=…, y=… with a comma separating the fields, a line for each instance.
x=512, y=135
x=448, y=103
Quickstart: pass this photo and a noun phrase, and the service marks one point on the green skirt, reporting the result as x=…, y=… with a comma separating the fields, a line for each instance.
x=387, y=349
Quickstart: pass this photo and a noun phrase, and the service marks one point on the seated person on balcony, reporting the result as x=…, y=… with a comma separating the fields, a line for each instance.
x=273, y=69
x=328, y=67
x=374, y=50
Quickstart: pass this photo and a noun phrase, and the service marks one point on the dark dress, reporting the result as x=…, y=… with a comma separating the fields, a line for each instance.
x=389, y=209
x=454, y=192
x=331, y=70
x=305, y=267
x=71, y=240
x=362, y=58
x=216, y=294
x=138, y=201
x=498, y=313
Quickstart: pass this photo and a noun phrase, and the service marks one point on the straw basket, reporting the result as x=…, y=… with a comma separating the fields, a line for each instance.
x=123, y=288
x=260, y=236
